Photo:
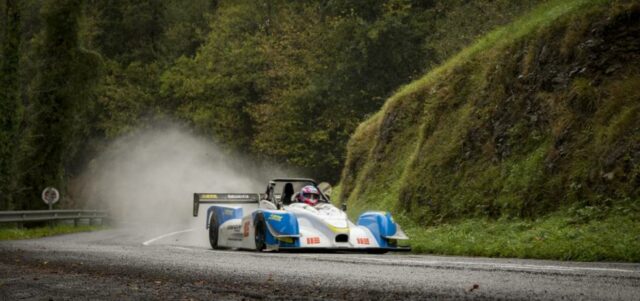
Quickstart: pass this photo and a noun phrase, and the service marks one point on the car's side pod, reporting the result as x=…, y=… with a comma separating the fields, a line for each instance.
x=282, y=227
x=383, y=227
x=280, y=223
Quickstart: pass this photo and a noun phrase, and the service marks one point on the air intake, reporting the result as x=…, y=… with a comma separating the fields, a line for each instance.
x=342, y=238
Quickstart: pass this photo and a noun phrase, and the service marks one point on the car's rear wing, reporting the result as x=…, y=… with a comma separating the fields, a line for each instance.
x=224, y=198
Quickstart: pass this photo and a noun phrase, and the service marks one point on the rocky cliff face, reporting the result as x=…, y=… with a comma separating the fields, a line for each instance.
x=530, y=119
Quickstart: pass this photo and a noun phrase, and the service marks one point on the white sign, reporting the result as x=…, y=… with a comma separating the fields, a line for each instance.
x=50, y=195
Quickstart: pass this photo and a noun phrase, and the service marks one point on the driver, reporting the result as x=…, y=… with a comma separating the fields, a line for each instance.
x=308, y=195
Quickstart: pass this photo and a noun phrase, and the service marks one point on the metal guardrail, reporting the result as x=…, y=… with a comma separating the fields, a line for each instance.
x=49, y=215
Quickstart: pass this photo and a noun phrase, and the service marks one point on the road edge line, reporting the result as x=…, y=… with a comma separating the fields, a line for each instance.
x=146, y=243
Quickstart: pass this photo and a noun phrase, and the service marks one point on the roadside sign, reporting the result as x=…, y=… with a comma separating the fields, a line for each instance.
x=50, y=196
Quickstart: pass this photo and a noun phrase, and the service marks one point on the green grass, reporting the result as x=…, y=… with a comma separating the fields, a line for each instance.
x=561, y=236
x=26, y=233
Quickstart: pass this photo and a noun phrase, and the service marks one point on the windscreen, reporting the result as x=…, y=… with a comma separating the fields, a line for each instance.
x=297, y=186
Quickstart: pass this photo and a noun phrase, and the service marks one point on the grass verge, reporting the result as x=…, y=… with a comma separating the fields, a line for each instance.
x=561, y=236
x=27, y=233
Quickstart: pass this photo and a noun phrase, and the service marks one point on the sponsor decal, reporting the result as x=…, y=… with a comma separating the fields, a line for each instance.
x=235, y=238
x=238, y=196
x=208, y=196
x=288, y=240
x=228, y=212
x=363, y=240
x=313, y=240
x=245, y=229
x=234, y=228
x=337, y=230
x=275, y=217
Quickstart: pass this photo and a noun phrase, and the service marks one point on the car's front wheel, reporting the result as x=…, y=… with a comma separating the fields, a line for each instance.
x=260, y=233
x=213, y=231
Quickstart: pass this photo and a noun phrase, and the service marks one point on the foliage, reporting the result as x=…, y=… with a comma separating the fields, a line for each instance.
x=29, y=233
x=528, y=120
x=11, y=107
x=290, y=81
x=212, y=91
x=284, y=81
x=78, y=73
x=60, y=100
x=295, y=83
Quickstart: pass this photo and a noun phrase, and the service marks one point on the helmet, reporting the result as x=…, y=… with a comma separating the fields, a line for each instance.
x=309, y=195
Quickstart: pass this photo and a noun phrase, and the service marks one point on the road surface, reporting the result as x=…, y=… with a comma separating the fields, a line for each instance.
x=135, y=263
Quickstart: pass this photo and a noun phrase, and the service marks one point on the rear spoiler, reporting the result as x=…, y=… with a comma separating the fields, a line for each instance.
x=224, y=198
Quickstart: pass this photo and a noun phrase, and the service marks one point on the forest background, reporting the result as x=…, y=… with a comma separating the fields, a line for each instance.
x=280, y=81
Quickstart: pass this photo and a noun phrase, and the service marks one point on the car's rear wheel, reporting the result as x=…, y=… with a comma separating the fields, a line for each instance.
x=260, y=233
x=213, y=231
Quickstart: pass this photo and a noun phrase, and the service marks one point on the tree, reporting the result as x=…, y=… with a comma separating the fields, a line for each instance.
x=330, y=66
x=215, y=89
x=10, y=104
x=62, y=94
x=129, y=30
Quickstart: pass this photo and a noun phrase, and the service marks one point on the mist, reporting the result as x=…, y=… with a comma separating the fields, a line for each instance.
x=149, y=177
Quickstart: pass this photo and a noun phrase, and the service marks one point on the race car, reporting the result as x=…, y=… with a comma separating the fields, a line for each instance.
x=282, y=219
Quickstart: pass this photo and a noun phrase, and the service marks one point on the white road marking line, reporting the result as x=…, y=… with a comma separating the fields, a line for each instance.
x=427, y=263
x=146, y=243
x=502, y=265
x=182, y=248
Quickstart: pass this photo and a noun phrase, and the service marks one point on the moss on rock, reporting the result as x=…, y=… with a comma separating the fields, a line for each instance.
x=537, y=115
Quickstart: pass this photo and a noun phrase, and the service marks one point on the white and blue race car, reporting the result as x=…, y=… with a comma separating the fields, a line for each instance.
x=276, y=221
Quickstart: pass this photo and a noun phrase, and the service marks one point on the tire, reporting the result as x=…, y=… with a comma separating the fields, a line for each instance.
x=260, y=233
x=213, y=231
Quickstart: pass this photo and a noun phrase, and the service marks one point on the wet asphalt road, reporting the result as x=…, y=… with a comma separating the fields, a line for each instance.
x=115, y=264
